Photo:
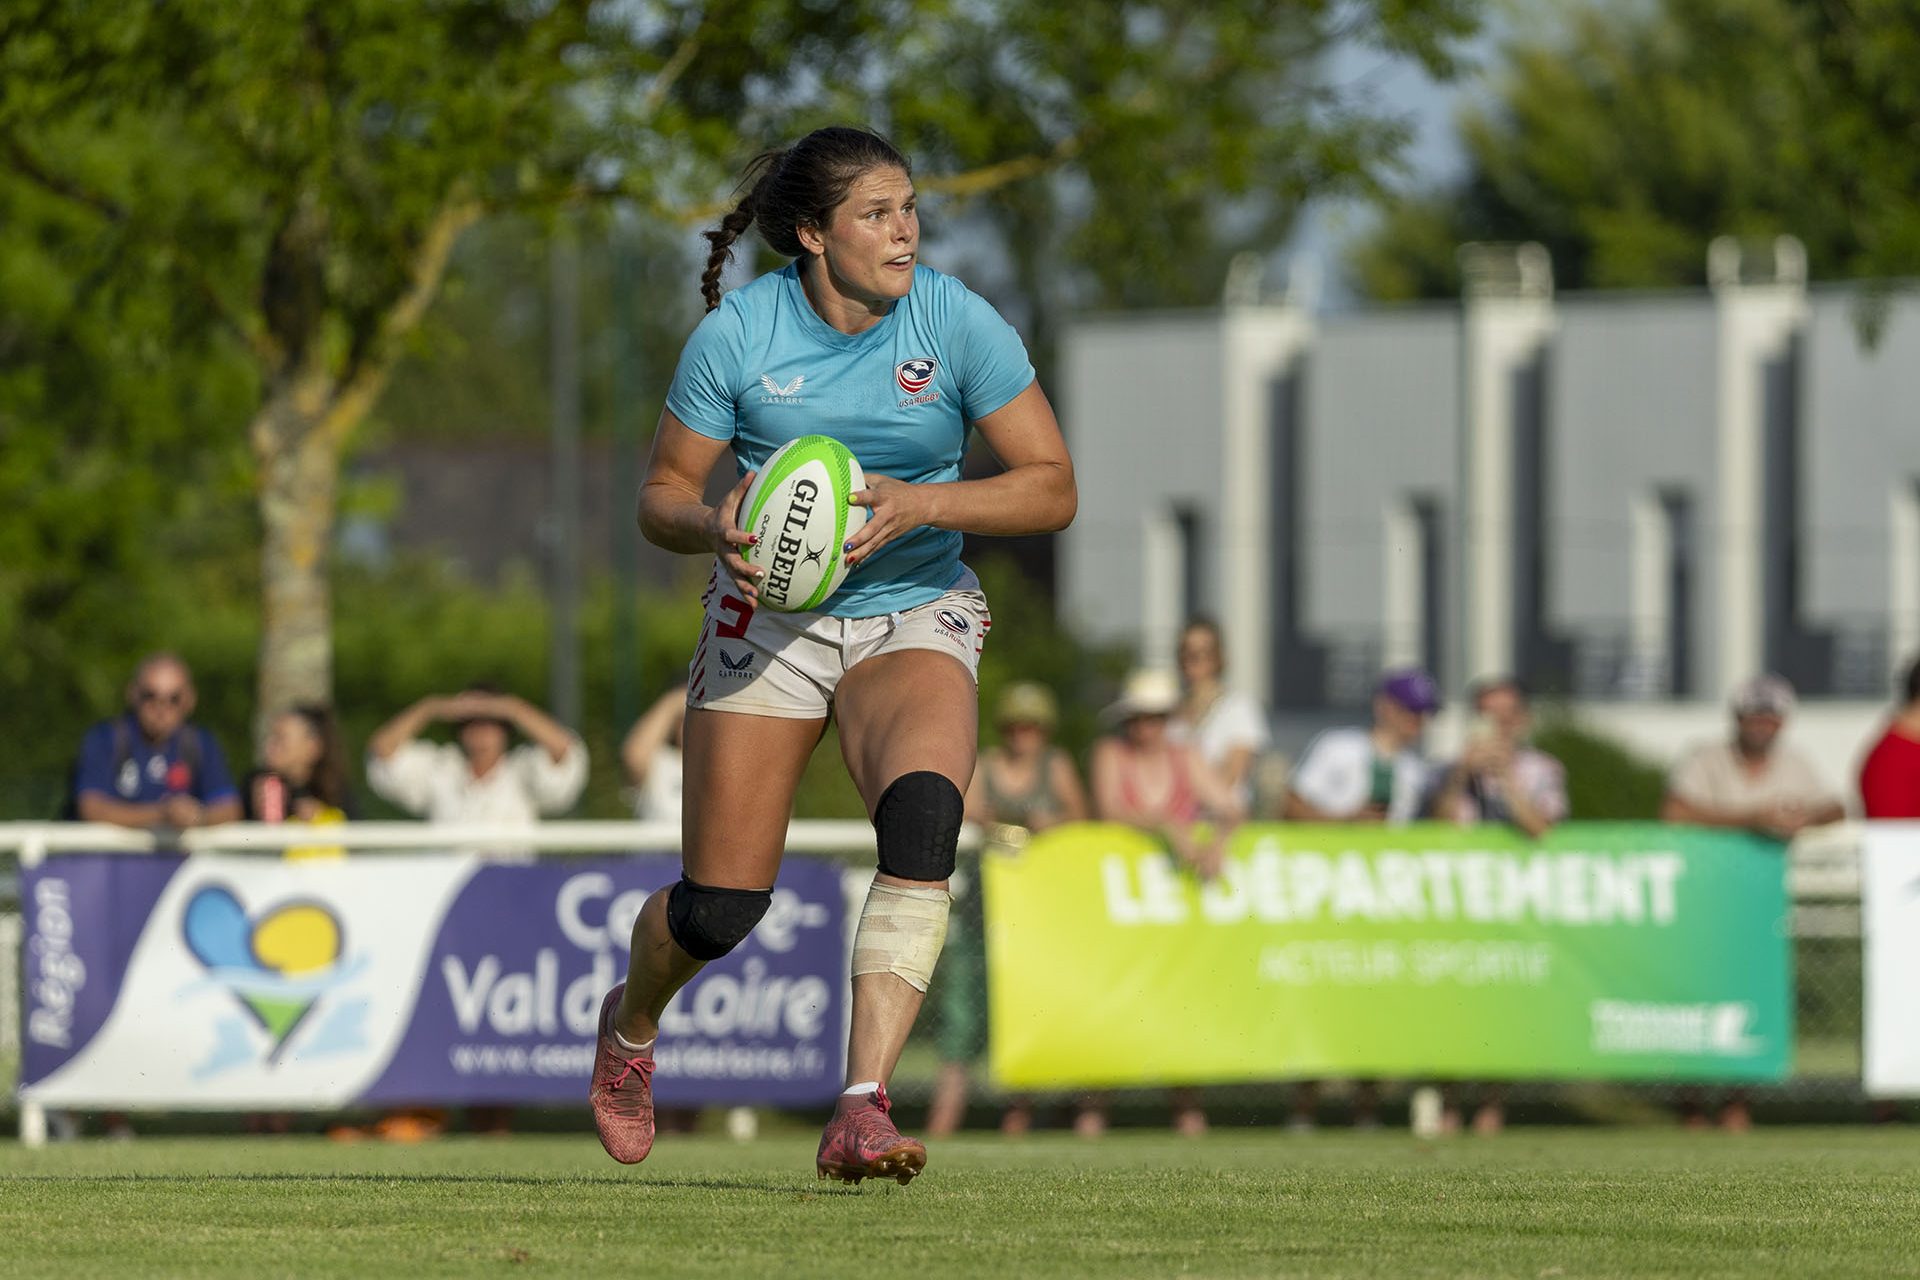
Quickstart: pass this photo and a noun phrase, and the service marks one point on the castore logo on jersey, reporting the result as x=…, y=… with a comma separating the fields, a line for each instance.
x=778, y=394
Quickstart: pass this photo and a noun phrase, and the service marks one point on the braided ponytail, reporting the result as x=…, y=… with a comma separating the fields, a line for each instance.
x=731, y=228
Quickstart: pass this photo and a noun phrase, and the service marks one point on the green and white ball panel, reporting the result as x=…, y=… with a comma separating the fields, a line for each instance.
x=797, y=506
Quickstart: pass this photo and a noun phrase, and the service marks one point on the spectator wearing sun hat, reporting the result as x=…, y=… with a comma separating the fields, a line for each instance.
x=1375, y=774
x=1143, y=777
x=1753, y=780
x=1026, y=783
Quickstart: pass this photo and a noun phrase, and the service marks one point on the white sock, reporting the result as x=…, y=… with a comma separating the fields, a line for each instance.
x=865, y=1086
x=622, y=1042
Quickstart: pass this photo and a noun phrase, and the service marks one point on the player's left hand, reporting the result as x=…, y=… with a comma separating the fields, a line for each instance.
x=894, y=507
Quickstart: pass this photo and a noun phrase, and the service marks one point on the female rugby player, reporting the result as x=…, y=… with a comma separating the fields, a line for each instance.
x=856, y=340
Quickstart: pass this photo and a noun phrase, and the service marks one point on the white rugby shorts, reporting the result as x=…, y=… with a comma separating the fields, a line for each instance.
x=767, y=663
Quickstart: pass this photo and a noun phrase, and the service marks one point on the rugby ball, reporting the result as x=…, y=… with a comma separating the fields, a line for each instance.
x=797, y=506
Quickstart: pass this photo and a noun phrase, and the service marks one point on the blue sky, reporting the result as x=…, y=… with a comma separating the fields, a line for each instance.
x=1401, y=87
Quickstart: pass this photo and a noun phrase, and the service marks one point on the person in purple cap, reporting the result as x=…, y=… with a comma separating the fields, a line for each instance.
x=1366, y=775
x=1370, y=775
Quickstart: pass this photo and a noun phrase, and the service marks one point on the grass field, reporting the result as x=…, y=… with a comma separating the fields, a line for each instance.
x=1533, y=1204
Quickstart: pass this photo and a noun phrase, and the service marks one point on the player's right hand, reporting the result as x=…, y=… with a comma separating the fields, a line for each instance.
x=729, y=538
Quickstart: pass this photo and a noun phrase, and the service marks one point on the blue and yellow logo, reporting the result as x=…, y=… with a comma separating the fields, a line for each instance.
x=276, y=964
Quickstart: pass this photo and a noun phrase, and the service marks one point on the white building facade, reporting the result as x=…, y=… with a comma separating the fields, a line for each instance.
x=1627, y=499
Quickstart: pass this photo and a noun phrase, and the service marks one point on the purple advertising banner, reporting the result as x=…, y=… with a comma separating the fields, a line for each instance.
x=82, y=915
x=515, y=979
x=239, y=981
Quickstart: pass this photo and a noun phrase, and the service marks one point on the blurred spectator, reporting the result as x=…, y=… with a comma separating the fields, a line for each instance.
x=1370, y=775
x=1499, y=777
x=1366, y=775
x=1226, y=729
x=484, y=778
x=302, y=778
x=1141, y=776
x=1890, y=778
x=1024, y=782
x=151, y=766
x=1755, y=781
x=651, y=757
x=302, y=775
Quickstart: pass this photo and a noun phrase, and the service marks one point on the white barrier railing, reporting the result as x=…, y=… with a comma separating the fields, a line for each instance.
x=1823, y=868
x=33, y=841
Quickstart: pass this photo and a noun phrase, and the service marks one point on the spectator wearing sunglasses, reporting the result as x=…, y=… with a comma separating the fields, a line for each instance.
x=151, y=766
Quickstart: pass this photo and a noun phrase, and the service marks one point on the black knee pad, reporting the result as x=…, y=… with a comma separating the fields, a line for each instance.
x=707, y=922
x=918, y=821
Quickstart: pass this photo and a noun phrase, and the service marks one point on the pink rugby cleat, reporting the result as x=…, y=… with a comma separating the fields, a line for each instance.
x=861, y=1142
x=622, y=1092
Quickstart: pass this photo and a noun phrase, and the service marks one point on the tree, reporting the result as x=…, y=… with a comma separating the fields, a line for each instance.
x=1629, y=141
x=292, y=176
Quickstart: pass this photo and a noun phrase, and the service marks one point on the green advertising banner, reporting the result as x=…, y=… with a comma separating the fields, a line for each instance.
x=1604, y=951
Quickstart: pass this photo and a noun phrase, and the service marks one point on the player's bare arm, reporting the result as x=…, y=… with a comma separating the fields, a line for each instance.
x=674, y=514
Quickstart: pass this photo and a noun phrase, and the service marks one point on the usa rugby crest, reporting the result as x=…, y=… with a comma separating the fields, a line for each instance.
x=914, y=376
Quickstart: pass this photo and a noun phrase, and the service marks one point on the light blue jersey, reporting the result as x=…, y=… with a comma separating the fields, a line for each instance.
x=764, y=368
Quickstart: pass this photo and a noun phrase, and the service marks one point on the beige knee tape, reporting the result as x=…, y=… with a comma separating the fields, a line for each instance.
x=901, y=932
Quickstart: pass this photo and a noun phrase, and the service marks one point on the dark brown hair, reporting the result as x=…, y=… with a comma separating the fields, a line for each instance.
x=329, y=781
x=796, y=186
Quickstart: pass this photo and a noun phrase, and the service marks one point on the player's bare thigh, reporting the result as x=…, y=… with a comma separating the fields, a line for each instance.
x=905, y=711
x=741, y=774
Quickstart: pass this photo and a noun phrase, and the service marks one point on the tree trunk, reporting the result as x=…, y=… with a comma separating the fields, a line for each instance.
x=298, y=475
x=298, y=434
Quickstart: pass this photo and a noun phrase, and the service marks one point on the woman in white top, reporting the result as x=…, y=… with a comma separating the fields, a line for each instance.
x=1226, y=729
x=482, y=777
x=651, y=757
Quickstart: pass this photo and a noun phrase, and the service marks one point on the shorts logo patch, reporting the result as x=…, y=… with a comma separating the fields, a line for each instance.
x=952, y=624
x=731, y=670
x=914, y=375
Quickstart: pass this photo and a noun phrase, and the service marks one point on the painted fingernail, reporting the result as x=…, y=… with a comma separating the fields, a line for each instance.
x=753, y=539
x=846, y=546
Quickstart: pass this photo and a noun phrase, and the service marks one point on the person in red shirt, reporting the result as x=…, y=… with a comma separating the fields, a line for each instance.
x=1890, y=778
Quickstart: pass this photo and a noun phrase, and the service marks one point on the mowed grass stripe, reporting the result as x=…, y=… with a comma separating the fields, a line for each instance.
x=1801, y=1202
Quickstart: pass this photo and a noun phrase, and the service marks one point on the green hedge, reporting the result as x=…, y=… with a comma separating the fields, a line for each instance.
x=1605, y=781
x=419, y=628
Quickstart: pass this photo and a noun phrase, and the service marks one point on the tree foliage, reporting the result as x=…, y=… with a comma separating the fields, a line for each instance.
x=226, y=223
x=1629, y=140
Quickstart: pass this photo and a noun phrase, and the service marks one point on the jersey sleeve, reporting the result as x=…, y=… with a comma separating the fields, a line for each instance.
x=989, y=360
x=702, y=393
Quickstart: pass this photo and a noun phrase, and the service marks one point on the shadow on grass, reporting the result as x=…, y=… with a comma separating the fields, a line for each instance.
x=423, y=1179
